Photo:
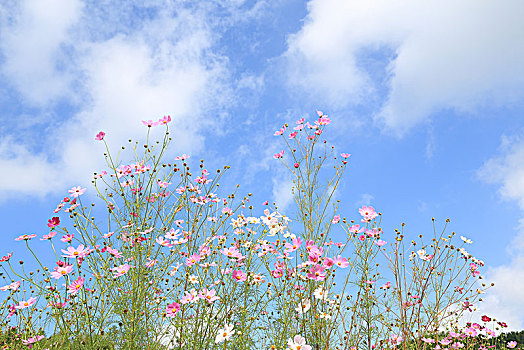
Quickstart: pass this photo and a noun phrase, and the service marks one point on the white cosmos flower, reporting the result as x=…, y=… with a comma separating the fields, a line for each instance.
x=298, y=343
x=224, y=333
x=468, y=241
x=320, y=293
x=304, y=306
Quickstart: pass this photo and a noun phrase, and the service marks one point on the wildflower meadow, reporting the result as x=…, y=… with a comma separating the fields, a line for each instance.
x=162, y=256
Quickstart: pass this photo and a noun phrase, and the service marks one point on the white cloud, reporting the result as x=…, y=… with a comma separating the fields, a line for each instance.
x=282, y=192
x=506, y=298
x=163, y=66
x=33, y=37
x=441, y=54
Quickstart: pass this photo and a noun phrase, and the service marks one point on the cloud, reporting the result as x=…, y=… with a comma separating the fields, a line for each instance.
x=282, y=192
x=123, y=73
x=507, y=296
x=34, y=37
x=436, y=55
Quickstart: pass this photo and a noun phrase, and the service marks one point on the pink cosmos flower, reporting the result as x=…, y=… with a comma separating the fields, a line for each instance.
x=380, y=242
x=192, y=260
x=294, y=245
x=163, y=242
x=231, y=252
x=149, y=123
x=279, y=154
x=341, y=262
x=277, y=273
x=53, y=222
x=208, y=295
x=113, y=252
x=368, y=213
x=14, y=286
x=164, y=120
x=328, y=262
x=48, y=236
x=6, y=257
x=336, y=219
x=189, y=297
x=386, y=286
x=172, y=309
x=76, y=191
x=73, y=253
x=239, y=276
x=67, y=238
x=24, y=304
x=151, y=263
x=121, y=270
x=428, y=340
x=470, y=332
x=317, y=273
x=293, y=135
x=25, y=237
x=395, y=339
x=75, y=286
x=280, y=132
x=32, y=340
x=355, y=229
x=60, y=271
x=345, y=155
x=512, y=344
x=12, y=310
x=182, y=157
x=100, y=136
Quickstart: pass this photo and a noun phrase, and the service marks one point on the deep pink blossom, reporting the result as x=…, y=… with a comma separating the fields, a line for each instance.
x=53, y=222
x=100, y=136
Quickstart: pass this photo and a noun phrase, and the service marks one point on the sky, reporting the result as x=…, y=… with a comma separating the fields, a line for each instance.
x=428, y=97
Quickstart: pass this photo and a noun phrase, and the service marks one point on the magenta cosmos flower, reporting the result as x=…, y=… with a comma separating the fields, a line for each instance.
x=100, y=136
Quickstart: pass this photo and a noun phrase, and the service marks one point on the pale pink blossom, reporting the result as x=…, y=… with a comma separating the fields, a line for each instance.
x=73, y=253
x=75, y=286
x=341, y=262
x=239, y=276
x=25, y=304
x=76, y=191
x=14, y=286
x=208, y=295
x=120, y=270
x=368, y=213
x=25, y=237
x=61, y=271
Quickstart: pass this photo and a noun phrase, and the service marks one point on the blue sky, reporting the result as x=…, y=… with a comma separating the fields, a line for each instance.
x=427, y=97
